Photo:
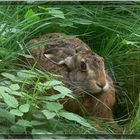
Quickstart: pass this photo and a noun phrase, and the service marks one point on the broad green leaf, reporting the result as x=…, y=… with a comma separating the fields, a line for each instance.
x=37, y=123
x=56, y=13
x=10, y=100
x=126, y=42
x=7, y=115
x=75, y=117
x=16, y=112
x=38, y=115
x=64, y=90
x=17, y=129
x=53, y=83
x=9, y=76
x=25, y=74
x=24, y=123
x=51, y=98
x=5, y=83
x=47, y=85
x=50, y=84
x=2, y=38
x=52, y=106
x=31, y=16
x=48, y=114
x=14, y=87
x=55, y=97
x=24, y=108
x=17, y=93
x=4, y=89
x=43, y=8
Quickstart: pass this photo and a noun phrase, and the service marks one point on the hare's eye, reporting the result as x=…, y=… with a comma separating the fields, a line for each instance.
x=83, y=66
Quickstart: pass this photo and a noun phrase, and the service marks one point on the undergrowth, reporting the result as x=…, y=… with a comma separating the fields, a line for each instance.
x=112, y=31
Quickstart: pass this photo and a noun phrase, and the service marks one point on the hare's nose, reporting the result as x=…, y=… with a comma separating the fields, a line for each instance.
x=100, y=85
x=103, y=86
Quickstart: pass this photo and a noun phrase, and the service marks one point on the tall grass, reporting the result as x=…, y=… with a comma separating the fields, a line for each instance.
x=110, y=30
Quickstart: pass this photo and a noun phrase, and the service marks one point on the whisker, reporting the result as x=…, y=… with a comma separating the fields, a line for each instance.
x=88, y=94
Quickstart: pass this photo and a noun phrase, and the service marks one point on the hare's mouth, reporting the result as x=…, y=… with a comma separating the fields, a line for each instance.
x=96, y=93
x=93, y=92
x=83, y=91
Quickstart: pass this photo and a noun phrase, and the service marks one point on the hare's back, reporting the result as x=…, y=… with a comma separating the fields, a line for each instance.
x=62, y=40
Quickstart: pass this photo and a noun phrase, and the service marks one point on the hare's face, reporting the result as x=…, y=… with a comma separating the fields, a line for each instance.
x=88, y=72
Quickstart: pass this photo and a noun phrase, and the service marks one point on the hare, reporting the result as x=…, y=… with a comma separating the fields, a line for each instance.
x=83, y=71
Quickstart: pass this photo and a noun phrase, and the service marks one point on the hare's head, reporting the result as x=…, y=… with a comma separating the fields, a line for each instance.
x=86, y=71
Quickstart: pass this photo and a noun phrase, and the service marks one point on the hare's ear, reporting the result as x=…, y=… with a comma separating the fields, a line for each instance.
x=54, y=55
x=55, y=59
x=103, y=59
x=68, y=61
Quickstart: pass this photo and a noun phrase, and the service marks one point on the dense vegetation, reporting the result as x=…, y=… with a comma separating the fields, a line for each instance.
x=112, y=31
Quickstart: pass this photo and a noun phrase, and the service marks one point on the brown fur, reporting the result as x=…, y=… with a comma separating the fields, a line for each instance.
x=92, y=102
